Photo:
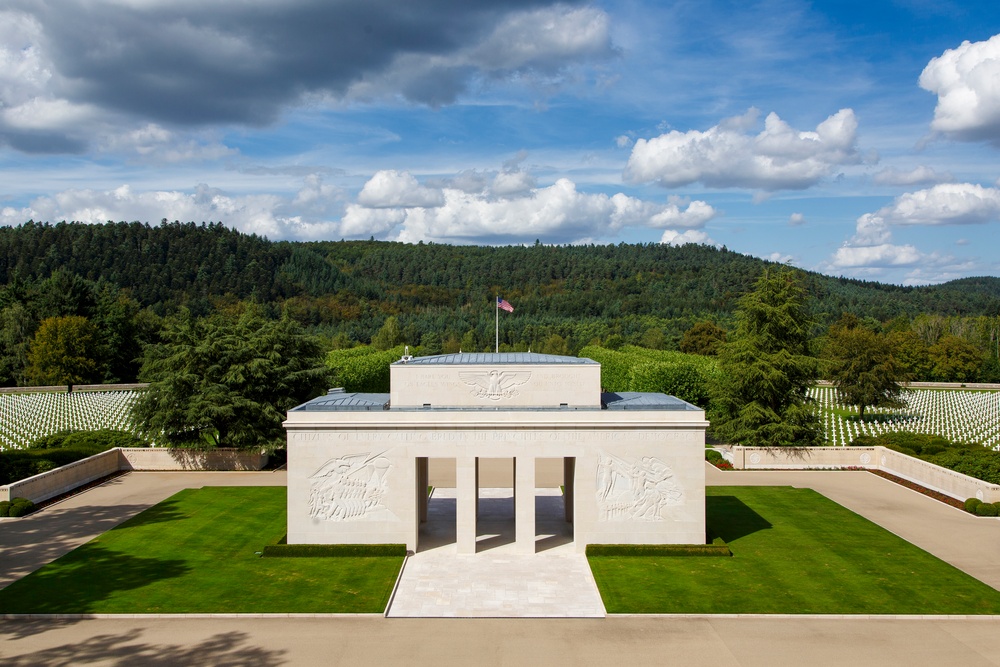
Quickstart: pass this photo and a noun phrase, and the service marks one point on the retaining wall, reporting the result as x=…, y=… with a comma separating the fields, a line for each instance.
x=920, y=472
x=68, y=477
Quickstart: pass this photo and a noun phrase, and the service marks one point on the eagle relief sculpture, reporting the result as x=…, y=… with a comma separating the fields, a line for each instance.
x=494, y=384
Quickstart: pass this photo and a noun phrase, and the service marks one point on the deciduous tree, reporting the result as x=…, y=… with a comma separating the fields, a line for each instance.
x=862, y=366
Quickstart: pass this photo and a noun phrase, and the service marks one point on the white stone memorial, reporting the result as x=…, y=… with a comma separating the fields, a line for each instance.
x=633, y=462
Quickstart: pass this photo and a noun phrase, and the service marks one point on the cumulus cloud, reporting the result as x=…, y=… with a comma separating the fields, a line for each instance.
x=966, y=81
x=944, y=204
x=796, y=219
x=394, y=189
x=73, y=67
x=507, y=206
x=392, y=205
x=673, y=237
x=917, y=176
x=780, y=258
x=269, y=215
x=729, y=155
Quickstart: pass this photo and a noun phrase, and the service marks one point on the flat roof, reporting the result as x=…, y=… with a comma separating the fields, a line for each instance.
x=638, y=400
x=493, y=359
x=339, y=400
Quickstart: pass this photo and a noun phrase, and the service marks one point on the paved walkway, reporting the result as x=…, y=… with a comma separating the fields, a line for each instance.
x=556, y=582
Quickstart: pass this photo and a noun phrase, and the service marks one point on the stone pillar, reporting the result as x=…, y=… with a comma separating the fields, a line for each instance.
x=422, y=483
x=465, y=508
x=569, y=486
x=524, y=505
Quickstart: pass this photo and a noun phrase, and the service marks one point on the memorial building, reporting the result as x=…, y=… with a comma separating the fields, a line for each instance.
x=632, y=463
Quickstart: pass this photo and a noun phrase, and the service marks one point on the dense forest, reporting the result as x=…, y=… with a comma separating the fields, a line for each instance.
x=111, y=286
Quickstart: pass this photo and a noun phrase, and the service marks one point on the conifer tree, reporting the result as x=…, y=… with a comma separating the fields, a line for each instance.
x=766, y=369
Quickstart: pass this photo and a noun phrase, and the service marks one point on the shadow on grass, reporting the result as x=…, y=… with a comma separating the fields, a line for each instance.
x=162, y=512
x=232, y=649
x=729, y=518
x=77, y=581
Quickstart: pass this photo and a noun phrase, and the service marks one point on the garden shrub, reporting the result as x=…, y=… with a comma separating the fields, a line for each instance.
x=971, y=504
x=20, y=507
x=987, y=509
x=689, y=377
x=713, y=455
x=4, y=508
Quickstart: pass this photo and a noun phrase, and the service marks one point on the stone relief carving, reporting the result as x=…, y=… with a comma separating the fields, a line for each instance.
x=494, y=384
x=351, y=488
x=636, y=490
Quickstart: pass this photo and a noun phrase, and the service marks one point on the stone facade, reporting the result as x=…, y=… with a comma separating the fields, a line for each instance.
x=358, y=463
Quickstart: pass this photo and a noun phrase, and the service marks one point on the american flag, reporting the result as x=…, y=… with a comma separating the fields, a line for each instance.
x=503, y=305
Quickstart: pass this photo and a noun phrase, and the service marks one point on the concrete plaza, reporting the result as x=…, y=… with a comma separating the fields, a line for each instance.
x=958, y=538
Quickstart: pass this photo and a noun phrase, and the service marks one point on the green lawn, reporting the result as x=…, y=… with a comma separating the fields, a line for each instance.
x=795, y=552
x=194, y=553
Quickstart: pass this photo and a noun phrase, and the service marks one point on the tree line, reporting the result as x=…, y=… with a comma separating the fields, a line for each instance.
x=80, y=303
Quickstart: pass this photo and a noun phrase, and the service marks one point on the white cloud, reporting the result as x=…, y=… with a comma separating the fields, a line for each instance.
x=673, y=237
x=882, y=255
x=945, y=204
x=727, y=155
x=917, y=176
x=780, y=258
x=623, y=141
x=395, y=189
x=264, y=214
x=506, y=206
x=967, y=82
x=796, y=219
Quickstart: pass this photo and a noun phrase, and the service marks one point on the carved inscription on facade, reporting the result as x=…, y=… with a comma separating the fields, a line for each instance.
x=635, y=490
x=495, y=384
x=351, y=488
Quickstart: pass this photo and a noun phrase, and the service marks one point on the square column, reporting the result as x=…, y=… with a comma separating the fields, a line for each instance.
x=467, y=492
x=569, y=486
x=524, y=504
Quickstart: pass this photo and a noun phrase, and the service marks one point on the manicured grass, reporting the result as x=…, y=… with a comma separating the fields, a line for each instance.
x=794, y=552
x=194, y=553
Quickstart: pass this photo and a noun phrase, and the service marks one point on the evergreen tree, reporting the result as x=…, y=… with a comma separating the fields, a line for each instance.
x=227, y=380
x=766, y=369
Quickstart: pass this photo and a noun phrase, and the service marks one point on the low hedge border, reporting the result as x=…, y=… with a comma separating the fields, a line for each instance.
x=665, y=550
x=16, y=507
x=334, y=551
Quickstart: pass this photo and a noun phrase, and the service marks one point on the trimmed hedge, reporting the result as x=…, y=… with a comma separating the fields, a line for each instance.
x=658, y=550
x=969, y=459
x=987, y=509
x=363, y=368
x=689, y=377
x=334, y=550
x=713, y=455
x=16, y=507
x=971, y=504
x=59, y=449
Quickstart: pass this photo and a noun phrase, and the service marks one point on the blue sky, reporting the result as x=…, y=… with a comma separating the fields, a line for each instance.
x=857, y=139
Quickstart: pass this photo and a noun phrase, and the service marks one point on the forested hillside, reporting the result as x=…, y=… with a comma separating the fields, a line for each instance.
x=122, y=277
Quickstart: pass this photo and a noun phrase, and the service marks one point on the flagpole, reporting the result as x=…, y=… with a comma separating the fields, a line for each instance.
x=496, y=308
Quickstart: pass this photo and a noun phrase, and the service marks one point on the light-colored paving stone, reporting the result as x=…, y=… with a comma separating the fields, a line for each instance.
x=555, y=582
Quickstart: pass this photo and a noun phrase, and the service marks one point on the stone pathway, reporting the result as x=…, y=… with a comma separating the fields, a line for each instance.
x=556, y=582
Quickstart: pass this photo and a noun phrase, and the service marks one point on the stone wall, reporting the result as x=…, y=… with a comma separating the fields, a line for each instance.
x=68, y=477
x=920, y=472
x=63, y=479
